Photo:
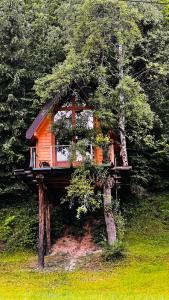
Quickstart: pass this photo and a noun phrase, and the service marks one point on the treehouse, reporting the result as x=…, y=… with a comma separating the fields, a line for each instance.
x=51, y=150
x=54, y=137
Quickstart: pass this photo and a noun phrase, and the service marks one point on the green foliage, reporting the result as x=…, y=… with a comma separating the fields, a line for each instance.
x=18, y=227
x=99, y=231
x=70, y=48
x=141, y=274
x=115, y=252
x=89, y=24
x=166, y=10
x=58, y=222
x=138, y=113
x=37, y=38
x=6, y=229
x=92, y=31
x=81, y=192
x=30, y=45
x=14, y=41
x=119, y=220
x=152, y=210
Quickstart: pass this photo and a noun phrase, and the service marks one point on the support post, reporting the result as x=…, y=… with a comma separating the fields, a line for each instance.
x=108, y=212
x=41, y=194
x=48, y=226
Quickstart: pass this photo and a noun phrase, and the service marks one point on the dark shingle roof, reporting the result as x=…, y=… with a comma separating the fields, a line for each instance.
x=40, y=117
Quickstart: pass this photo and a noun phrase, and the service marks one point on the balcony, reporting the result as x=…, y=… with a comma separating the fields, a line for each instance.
x=58, y=156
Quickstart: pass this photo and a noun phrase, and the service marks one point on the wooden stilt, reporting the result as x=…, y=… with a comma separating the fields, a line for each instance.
x=41, y=192
x=48, y=227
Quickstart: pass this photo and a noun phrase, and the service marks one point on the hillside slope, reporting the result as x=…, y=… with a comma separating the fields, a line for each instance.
x=142, y=274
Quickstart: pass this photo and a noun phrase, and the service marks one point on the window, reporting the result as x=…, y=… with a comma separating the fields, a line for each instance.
x=77, y=117
x=63, y=117
x=84, y=119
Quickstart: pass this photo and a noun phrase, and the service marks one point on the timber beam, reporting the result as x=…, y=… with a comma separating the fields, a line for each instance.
x=41, y=198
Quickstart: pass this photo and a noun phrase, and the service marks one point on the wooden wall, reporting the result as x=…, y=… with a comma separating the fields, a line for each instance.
x=45, y=139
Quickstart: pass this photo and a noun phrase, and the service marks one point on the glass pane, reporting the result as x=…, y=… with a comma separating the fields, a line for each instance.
x=62, y=153
x=63, y=118
x=33, y=158
x=84, y=119
x=87, y=155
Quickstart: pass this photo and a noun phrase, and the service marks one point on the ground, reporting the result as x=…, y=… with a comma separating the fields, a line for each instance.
x=142, y=275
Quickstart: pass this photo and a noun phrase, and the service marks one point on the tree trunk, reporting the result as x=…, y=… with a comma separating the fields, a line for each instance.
x=108, y=213
x=122, y=111
x=41, y=193
x=48, y=227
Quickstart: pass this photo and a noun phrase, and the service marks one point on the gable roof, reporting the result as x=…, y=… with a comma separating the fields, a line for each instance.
x=42, y=114
x=40, y=117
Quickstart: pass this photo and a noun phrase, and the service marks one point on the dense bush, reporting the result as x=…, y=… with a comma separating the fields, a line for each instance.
x=148, y=217
x=154, y=208
x=115, y=252
x=18, y=226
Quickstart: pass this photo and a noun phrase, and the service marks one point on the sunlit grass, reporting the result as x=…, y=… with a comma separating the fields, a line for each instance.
x=142, y=275
x=137, y=277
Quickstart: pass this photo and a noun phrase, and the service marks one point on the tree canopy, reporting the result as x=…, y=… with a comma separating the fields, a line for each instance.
x=61, y=47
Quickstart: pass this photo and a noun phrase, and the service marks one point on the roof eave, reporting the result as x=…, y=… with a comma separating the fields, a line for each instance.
x=40, y=117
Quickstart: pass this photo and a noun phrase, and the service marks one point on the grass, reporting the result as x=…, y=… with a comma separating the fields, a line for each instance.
x=142, y=275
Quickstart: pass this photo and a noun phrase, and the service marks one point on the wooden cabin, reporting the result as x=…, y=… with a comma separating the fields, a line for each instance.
x=50, y=166
x=48, y=150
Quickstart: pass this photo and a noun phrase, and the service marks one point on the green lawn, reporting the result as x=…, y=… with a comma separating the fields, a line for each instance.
x=143, y=274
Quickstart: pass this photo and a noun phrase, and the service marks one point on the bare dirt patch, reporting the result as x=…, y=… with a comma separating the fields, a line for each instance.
x=70, y=250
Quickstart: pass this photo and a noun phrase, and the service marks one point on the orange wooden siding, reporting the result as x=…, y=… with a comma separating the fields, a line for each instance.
x=45, y=145
x=45, y=142
x=98, y=153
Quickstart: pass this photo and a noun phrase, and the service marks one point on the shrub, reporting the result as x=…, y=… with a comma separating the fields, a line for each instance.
x=18, y=226
x=115, y=252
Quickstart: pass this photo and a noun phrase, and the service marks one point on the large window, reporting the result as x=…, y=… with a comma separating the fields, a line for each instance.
x=84, y=119
x=72, y=122
x=63, y=117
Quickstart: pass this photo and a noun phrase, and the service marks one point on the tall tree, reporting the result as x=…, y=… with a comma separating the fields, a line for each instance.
x=149, y=65
x=94, y=32
x=30, y=46
x=14, y=81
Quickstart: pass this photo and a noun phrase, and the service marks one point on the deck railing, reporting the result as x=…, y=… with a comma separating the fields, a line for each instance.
x=51, y=156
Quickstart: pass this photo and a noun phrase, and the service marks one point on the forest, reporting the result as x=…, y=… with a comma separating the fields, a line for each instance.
x=114, y=54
